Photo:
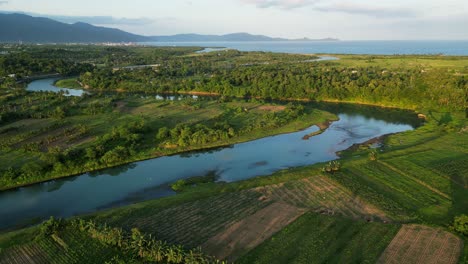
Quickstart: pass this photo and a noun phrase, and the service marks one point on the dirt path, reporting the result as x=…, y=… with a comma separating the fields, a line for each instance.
x=250, y=232
x=422, y=244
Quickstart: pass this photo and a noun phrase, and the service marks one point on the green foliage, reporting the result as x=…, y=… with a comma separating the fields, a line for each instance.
x=460, y=225
x=332, y=167
x=51, y=227
x=141, y=245
x=373, y=155
x=182, y=184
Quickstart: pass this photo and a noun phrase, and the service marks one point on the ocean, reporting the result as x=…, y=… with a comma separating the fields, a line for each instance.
x=392, y=47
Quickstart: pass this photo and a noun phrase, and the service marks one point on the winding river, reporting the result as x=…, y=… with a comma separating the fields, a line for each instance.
x=150, y=179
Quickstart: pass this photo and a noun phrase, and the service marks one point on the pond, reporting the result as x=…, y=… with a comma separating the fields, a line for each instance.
x=150, y=179
x=47, y=85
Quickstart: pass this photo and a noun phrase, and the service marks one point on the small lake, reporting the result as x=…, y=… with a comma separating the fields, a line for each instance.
x=150, y=179
x=47, y=85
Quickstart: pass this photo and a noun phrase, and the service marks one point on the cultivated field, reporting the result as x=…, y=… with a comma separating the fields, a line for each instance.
x=251, y=231
x=317, y=238
x=322, y=194
x=193, y=223
x=68, y=247
x=422, y=244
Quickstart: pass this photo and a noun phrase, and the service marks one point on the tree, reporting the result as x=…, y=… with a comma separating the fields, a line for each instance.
x=58, y=113
x=460, y=224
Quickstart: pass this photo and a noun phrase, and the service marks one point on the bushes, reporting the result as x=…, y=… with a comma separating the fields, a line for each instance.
x=51, y=227
x=332, y=167
x=185, y=135
x=145, y=247
x=460, y=225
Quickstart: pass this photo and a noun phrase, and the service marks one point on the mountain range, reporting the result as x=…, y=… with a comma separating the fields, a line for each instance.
x=20, y=27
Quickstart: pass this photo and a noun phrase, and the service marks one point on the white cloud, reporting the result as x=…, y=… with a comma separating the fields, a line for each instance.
x=286, y=4
x=368, y=10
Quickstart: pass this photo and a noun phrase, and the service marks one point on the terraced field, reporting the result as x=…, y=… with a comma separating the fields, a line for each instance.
x=422, y=244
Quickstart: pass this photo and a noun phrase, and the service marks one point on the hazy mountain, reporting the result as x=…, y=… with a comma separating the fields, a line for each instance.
x=21, y=27
x=228, y=37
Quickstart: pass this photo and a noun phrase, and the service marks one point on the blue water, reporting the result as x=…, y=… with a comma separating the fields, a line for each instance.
x=339, y=47
x=47, y=85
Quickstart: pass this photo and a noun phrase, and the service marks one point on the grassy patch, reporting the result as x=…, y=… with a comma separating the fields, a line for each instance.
x=71, y=83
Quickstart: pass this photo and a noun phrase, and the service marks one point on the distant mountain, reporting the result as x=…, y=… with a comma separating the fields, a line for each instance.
x=228, y=37
x=201, y=38
x=19, y=27
x=26, y=28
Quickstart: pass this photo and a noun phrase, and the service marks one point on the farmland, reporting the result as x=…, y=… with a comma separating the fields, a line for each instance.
x=393, y=202
x=422, y=244
x=324, y=239
x=74, y=247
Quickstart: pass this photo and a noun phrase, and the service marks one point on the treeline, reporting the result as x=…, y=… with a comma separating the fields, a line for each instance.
x=24, y=65
x=403, y=87
x=144, y=247
x=112, y=148
x=183, y=135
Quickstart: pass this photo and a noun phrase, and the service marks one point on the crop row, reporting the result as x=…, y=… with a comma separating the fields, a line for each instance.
x=323, y=239
x=24, y=254
x=405, y=191
x=319, y=193
x=193, y=223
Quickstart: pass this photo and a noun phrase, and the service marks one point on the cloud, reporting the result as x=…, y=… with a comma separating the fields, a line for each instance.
x=3, y=2
x=103, y=20
x=374, y=11
x=95, y=20
x=336, y=6
x=286, y=4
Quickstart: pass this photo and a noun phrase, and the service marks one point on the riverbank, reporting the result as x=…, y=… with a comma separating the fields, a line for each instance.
x=314, y=117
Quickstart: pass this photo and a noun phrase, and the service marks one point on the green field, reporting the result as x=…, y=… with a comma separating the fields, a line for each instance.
x=324, y=239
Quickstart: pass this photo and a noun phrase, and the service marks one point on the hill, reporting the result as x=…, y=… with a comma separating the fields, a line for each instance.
x=19, y=27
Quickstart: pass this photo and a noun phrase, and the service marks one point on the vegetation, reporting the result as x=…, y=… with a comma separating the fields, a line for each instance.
x=71, y=83
x=59, y=241
x=413, y=185
x=180, y=185
x=48, y=135
x=422, y=86
x=460, y=224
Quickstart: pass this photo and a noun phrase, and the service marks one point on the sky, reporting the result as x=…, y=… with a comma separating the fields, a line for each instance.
x=343, y=19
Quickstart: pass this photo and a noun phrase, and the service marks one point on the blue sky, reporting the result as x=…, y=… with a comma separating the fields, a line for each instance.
x=344, y=19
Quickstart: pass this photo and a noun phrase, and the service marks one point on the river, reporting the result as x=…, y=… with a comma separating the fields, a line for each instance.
x=150, y=179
